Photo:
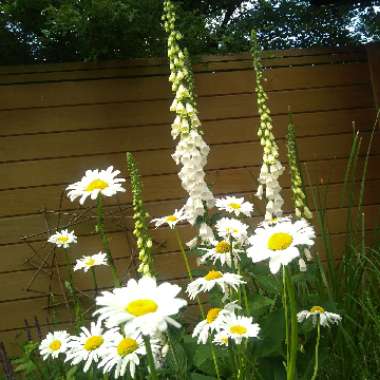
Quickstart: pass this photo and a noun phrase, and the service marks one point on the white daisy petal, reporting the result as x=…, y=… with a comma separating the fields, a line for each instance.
x=95, y=182
x=279, y=241
x=63, y=238
x=318, y=313
x=211, y=279
x=235, y=205
x=144, y=304
x=54, y=344
x=87, y=262
x=170, y=220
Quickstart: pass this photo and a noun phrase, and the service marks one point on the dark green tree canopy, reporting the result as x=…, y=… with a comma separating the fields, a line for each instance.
x=72, y=30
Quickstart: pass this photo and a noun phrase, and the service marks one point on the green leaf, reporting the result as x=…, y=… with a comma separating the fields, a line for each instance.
x=197, y=376
x=260, y=304
x=272, y=335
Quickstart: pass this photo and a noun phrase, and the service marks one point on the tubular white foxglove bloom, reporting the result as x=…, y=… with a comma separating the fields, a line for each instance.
x=237, y=328
x=63, y=238
x=279, y=242
x=87, y=262
x=144, y=304
x=191, y=151
x=213, y=321
x=205, y=233
x=54, y=344
x=319, y=313
x=212, y=278
x=223, y=252
x=96, y=182
x=271, y=168
x=170, y=220
x=88, y=346
x=234, y=205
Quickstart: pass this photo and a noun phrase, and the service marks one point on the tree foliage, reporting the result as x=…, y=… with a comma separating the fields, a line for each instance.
x=70, y=30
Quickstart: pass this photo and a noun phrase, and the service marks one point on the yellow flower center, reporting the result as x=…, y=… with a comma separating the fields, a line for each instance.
x=171, y=218
x=141, y=307
x=97, y=184
x=212, y=314
x=279, y=241
x=317, y=309
x=222, y=247
x=238, y=329
x=93, y=343
x=235, y=206
x=55, y=345
x=127, y=346
x=63, y=239
x=90, y=262
x=213, y=275
x=225, y=340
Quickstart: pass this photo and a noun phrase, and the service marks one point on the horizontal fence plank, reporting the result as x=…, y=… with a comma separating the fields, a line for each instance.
x=290, y=57
x=91, y=142
x=125, y=71
x=155, y=112
x=32, y=200
x=157, y=87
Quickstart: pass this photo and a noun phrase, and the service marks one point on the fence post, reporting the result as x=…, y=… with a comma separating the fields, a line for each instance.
x=373, y=54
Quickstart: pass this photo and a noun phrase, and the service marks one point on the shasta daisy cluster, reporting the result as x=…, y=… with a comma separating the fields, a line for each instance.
x=115, y=343
x=191, y=151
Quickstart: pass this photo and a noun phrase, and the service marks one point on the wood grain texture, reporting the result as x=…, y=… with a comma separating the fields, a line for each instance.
x=56, y=121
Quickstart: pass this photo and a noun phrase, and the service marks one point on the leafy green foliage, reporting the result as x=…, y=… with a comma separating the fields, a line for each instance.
x=68, y=30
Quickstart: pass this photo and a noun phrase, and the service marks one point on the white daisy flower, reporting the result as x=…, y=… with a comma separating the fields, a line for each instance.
x=221, y=338
x=144, y=303
x=87, y=262
x=279, y=242
x=325, y=317
x=88, y=346
x=221, y=252
x=123, y=351
x=63, y=238
x=170, y=220
x=229, y=227
x=54, y=344
x=213, y=321
x=237, y=328
x=235, y=205
x=212, y=278
x=96, y=182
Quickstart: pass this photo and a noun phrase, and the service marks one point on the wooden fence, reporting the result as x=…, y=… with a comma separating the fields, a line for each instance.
x=56, y=121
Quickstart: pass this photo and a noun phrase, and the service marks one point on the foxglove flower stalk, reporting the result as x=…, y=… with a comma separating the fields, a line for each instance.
x=271, y=168
x=299, y=197
x=192, y=151
x=140, y=216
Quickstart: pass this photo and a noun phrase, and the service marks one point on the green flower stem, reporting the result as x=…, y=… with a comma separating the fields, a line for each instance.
x=188, y=269
x=292, y=364
x=92, y=269
x=72, y=292
x=149, y=354
x=285, y=304
x=101, y=230
x=317, y=351
x=184, y=256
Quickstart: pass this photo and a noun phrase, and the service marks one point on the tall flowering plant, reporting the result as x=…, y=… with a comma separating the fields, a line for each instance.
x=244, y=288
